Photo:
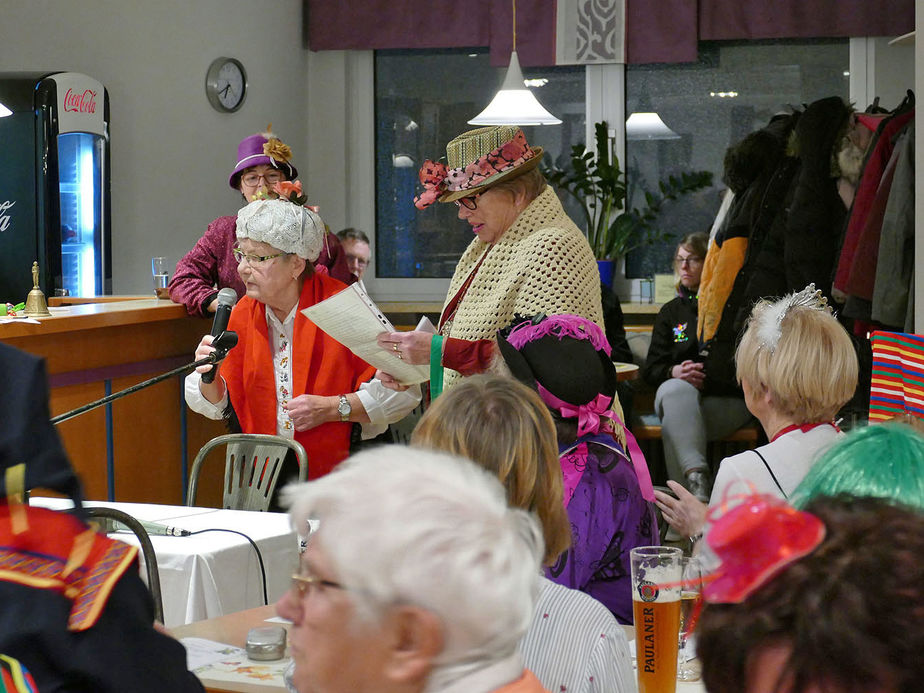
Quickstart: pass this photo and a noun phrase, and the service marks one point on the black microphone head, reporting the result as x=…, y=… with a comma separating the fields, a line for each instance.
x=227, y=297
x=226, y=341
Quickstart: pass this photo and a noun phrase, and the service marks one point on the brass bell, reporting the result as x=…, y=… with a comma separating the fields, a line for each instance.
x=36, y=305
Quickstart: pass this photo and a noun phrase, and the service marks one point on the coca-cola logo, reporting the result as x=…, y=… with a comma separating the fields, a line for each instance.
x=80, y=103
x=4, y=217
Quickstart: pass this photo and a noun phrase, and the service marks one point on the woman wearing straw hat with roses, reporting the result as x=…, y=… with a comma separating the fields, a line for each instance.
x=527, y=256
x=263, y=161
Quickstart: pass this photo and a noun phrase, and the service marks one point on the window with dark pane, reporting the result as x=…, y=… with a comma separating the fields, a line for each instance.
x=422, y=100
x=732, y=90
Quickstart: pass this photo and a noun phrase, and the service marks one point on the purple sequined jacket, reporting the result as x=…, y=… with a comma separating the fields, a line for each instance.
x=608, y=518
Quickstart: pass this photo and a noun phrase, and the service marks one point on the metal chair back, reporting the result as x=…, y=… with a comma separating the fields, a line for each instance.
x=113, y=517
x=252, y=466
x=401, y=430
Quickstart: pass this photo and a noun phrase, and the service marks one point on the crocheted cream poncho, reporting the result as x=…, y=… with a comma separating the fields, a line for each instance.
x=541, y=264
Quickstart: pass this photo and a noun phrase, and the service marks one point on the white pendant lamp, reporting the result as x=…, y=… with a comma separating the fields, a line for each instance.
x=648, y=126
x=514, y=104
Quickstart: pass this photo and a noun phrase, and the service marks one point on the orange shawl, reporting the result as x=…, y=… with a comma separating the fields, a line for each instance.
x=320, y=366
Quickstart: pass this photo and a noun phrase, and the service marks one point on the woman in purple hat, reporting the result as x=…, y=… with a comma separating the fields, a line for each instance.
x=262, y=162
x=607, y=494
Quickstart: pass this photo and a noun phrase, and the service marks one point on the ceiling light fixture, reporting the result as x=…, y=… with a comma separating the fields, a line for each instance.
x=648, y=126
x=514, y=104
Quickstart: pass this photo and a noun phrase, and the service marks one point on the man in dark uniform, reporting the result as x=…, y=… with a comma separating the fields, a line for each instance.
x=73, y=609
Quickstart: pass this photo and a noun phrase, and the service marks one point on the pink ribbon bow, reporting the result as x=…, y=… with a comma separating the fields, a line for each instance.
x=588, y=415
x=590, y=421
x=433, y=177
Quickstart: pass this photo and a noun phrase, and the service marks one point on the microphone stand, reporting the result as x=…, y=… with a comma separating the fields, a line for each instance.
x=223, y=344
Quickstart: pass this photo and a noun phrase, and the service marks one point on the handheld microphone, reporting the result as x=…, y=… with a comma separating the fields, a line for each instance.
x=109, y=525
x=157, y=529
x=226, y=299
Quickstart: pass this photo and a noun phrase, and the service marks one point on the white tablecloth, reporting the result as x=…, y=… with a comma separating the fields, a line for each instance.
x=214, y=573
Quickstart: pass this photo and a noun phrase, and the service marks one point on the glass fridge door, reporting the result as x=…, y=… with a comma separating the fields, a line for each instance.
x=80, y=169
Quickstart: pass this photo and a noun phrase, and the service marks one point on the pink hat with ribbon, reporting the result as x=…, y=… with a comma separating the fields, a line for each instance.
x=755, y=540
x=477, y=159
x=566, y=359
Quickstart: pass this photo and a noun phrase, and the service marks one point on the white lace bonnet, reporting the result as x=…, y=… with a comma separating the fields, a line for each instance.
x=289, y=227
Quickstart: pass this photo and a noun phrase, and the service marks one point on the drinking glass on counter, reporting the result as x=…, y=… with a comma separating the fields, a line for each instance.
x=691, y=596
x=656, y=579
x=161, y=276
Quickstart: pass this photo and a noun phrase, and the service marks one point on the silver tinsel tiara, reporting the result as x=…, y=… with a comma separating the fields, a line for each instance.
x=769, y=321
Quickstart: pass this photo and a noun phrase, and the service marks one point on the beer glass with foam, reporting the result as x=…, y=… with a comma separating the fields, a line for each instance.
x=656, y=578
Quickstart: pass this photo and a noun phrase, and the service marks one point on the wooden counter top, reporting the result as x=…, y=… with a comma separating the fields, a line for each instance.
x=84, y=316
x=137, y=447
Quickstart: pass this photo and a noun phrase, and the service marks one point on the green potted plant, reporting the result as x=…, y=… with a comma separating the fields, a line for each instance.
x=597, y=182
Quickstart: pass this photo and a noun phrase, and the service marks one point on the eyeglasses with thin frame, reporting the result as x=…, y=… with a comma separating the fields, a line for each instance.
x=252, y=179
x=359, y=261
x=303, y=585
x=689, y=261
x=252, y=260
x=470, y=203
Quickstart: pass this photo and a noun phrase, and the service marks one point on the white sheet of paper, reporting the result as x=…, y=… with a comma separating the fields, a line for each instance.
x=353, y=319
x=201, y=652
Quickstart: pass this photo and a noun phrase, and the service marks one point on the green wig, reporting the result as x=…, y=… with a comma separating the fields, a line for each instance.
x=883, y=461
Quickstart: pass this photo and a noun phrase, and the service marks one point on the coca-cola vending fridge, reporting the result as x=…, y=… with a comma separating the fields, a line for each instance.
x=54, y=185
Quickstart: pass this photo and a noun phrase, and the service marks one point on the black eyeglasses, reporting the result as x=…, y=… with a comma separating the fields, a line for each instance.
x=468, y=202
x=304, y=584
x=689, y=261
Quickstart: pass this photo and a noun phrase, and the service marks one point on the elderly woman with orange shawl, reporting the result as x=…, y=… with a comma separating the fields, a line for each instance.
x=286, y=376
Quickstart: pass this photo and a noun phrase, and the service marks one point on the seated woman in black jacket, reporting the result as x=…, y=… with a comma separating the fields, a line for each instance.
x=689, y=415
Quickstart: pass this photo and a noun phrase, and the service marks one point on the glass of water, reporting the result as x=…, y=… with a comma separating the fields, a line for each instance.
x=161, y=277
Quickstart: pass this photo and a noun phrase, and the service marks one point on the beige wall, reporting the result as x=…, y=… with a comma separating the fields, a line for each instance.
x=171, y=151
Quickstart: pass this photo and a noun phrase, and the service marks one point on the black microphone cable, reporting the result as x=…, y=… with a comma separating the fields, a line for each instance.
x=255, y=548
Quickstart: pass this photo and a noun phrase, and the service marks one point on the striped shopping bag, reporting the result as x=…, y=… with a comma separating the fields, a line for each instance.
x=898, y=376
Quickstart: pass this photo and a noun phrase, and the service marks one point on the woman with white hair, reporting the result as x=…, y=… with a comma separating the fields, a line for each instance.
x=797, y=367
x=286, y=376
x=418, y=578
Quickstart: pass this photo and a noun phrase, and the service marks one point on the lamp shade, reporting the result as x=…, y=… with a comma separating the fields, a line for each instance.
x=648, y=126
x=4, y=111
x=514, y=104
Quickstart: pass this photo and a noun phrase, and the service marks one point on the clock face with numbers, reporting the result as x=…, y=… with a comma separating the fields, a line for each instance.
x=226, y=84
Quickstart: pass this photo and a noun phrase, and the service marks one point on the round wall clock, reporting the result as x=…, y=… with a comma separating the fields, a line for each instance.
x=226, y=84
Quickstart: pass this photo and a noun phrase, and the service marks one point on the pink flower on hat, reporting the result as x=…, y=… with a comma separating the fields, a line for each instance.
x=433, y=177
x=291, y=190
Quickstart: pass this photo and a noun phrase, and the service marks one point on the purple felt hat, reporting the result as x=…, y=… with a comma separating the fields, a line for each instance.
x=262, y=148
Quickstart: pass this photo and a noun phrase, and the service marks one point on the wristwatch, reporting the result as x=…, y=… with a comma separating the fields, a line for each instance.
x=344, y=408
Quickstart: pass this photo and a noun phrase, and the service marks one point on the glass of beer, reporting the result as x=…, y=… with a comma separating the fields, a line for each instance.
x=690, y=598
x=656, y=580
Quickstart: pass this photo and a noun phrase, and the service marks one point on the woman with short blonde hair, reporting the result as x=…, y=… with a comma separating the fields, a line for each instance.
x=797, y=367
x=809, y=337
